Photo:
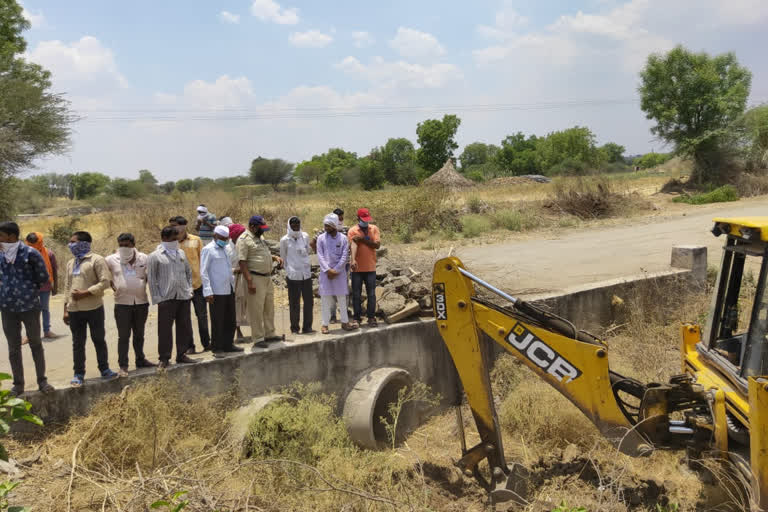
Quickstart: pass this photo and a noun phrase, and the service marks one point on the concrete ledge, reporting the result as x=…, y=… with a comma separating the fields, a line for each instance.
x=336, y=363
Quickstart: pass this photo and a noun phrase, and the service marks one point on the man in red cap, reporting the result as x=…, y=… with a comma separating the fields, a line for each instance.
x=364, y=239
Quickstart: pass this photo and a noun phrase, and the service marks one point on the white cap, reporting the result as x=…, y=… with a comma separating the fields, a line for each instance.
x=221, y=231
x=331, y=220
x=226, y=221
x=202, y=209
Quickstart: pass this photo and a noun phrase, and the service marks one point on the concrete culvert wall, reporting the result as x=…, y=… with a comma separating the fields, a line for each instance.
x=368, y=402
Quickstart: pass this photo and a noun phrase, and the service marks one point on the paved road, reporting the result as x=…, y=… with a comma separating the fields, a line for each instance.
x=580, y=257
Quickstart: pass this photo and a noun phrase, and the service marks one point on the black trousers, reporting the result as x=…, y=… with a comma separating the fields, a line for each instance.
x=12, y=328
x=79, y=323
x=201, y=312
x=223, y=321
x=299, y=290
x=358, y=278
x=170, y=312
x=130, y=318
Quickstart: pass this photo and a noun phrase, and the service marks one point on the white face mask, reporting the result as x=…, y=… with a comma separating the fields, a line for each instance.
x=126, y=254
x=171, y=246
x=9, y=250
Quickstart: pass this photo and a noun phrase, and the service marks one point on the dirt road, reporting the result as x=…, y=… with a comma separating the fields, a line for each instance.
x=579, y=257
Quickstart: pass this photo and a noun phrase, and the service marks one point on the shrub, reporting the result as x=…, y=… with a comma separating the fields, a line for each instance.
x=61, y=232
x=514, y=220
x=477, y=205
x=722, y=194
x=585, y=198
x=476, y=176
x=752, y=184
x=569, y=167
x=474, y=225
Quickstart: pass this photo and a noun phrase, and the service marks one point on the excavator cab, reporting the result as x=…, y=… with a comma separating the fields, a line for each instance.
x=717, y=406
x=740, y=350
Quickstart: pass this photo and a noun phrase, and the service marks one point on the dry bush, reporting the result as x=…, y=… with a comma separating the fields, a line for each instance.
x=752, y=184
x=593, y=197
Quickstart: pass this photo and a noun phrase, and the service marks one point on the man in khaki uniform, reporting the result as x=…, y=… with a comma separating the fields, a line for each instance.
x=256, y=267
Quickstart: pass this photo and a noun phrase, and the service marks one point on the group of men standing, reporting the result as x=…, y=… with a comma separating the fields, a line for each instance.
x=226, y=269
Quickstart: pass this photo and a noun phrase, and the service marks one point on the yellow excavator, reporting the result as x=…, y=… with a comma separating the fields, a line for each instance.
x=717, y=406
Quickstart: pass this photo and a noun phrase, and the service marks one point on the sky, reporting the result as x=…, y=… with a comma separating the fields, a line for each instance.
x=201, y=88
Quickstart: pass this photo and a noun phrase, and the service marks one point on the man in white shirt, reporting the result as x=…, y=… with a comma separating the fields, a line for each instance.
x=219, y=291
x=294, y=250
x=129, y=282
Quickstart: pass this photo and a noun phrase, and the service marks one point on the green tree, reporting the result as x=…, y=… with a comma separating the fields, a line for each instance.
x=517, y=155
x=186, y=185
x=477, y=153
x=168, y=187
x=650, y=160
x=89, y=184
x=333, y=179
x=752, y=129
x=575, y=144
x=132, y=189
x=310, y=170
x=398, y=159
x=372, y=174
x=147, y=178
x=693, y=98
x=437, y=142
x=612, y=152
x=33, y=121
x=270, y=171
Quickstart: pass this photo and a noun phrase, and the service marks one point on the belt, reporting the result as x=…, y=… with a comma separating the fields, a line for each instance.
x=258, y=273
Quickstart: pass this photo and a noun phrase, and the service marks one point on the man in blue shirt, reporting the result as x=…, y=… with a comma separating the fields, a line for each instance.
x=205, y=223
x=22, y=273
x=219, y=291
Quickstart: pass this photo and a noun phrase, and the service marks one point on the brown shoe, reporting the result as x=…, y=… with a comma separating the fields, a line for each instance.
x=184, y=359
x=122, y=372
x=351, y=326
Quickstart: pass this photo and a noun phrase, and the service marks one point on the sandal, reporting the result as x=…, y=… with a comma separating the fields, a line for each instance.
x=77, y=381
x=324, y=329
x=350, y=326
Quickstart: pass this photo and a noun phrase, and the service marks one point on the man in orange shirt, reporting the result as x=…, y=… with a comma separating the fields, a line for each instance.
x=364, y=239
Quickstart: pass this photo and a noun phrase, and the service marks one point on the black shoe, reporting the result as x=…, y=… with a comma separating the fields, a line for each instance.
x=162, y=365
x=233, y=349
x=207, y=348
x=308, y=331
x=219, y=354
x=145, y=363
x=294, y=331
x=261, y=344
x=186, y=360
x=191, y=351
x=46, y=388
x=272, y=339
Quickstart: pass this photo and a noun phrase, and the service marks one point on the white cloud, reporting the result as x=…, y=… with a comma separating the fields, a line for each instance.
x=228, y=17
x=506, y=21
x=310, y=39
x=269, y=10
x=36, y=19
x=362, y=39
x=416, y=44
x=82, y=67
x=225, y=92
x=390, y=74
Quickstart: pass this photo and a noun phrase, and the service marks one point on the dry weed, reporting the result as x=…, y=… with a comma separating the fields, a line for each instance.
x=593, y=198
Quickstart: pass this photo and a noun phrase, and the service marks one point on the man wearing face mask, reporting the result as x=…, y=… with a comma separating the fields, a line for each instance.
x=129, y=281
x=333, y=255
x=295, y=250
x=170, y=285
x=364, y=239
x=22, y=273
x=219, y=291
x=87, y=278
x=256, y=267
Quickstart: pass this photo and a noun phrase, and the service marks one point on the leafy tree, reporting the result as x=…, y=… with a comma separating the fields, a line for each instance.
x=612, y=152
x=310, y=170
x=168, y=187
x=437, y=142
x=333, y=179
x=132, y=189
x=752, y=129
x=88, y=184
x=147, y=177
x=650, y=160
x=186, y=185
x=270, y=171
x=337, y=158
x=517, y=155
x=575, y=144
x=477, y=153
x=33, y=121
x=693, y=98
x=398, y=158
x=372, y=171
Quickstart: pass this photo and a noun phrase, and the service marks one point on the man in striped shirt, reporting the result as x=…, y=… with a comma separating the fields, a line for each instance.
x=170, y=284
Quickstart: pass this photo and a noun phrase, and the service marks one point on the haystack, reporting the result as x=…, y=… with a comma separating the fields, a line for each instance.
x=448, y=177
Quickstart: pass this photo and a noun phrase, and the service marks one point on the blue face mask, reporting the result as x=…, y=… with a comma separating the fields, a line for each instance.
x=221, y=243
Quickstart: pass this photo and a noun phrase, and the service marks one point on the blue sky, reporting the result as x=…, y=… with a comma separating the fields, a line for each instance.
x=201, y=88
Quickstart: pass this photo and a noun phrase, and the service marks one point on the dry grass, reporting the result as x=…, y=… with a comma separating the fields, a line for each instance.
x=594, y=198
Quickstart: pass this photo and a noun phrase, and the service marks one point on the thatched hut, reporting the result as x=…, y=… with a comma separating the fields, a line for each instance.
x=448, y=177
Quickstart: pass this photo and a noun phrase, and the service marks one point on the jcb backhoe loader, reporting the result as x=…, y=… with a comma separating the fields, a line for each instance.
x=717, y=406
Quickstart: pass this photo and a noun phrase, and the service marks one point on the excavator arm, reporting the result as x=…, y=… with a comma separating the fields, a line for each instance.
x=571, y=361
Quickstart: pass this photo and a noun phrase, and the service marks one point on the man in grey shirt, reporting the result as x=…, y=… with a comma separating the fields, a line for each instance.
x=170, y=284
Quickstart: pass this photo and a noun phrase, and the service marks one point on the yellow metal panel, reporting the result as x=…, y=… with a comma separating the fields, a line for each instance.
x=758, y=439
x=760, y=223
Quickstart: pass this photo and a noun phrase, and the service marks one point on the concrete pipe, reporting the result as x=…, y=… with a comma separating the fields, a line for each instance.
x=368, y=402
